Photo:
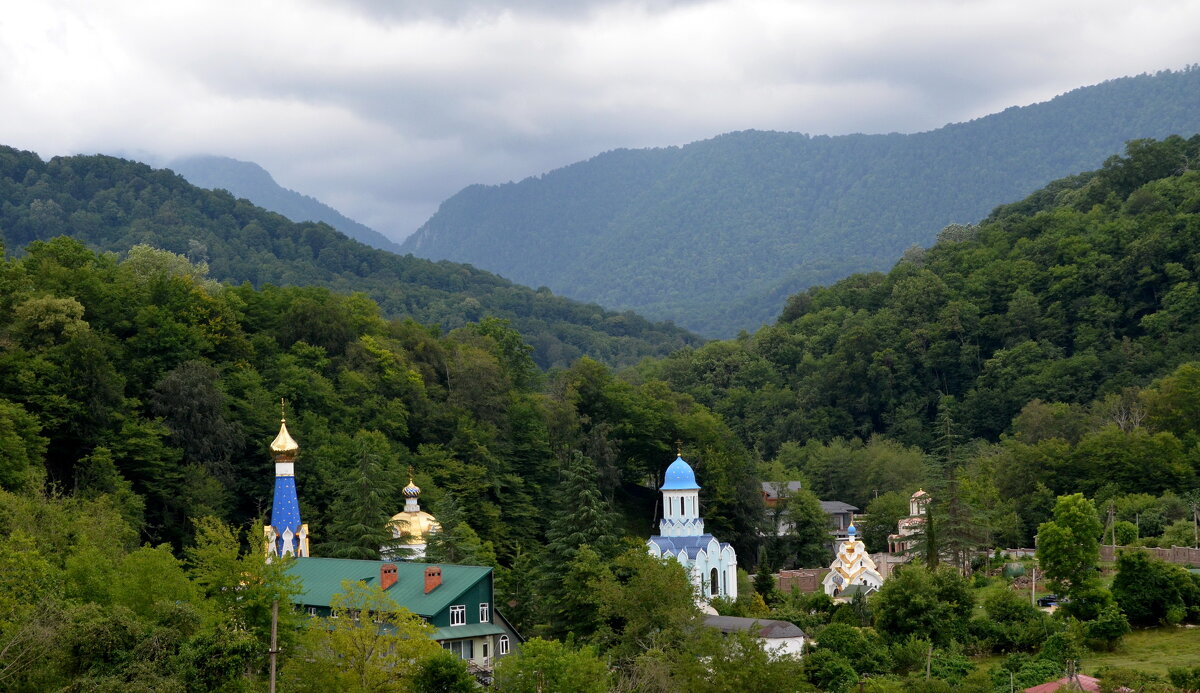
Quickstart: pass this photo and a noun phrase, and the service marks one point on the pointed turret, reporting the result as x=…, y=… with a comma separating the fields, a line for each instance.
x=286, y=534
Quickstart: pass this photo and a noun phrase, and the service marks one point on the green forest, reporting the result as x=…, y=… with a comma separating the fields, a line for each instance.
x=112, y=204
x=716, y=234
x=1037, y=373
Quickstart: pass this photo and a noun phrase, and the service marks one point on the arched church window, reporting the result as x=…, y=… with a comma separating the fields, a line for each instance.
x=714, y=586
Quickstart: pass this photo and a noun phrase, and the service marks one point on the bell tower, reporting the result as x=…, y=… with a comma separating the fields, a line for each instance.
x=286, y=535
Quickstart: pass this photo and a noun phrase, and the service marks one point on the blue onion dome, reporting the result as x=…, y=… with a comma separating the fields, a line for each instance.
x=851, y=530
x=679, y=477
x=412, y=490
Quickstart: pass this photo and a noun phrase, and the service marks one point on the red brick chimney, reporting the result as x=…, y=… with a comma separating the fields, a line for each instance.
x=433, y=578
x=387, y=575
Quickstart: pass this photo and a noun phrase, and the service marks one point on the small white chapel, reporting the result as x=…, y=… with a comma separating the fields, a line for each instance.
x=712, y=564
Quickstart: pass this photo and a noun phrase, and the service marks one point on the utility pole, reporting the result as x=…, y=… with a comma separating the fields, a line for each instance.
x=274, y=639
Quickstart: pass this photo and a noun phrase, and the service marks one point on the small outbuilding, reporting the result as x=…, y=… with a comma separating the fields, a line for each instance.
x=777, y=637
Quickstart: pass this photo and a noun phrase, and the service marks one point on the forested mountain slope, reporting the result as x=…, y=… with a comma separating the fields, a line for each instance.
x=716, y=234
x=1087, y=287
x=114, y=204
x=248, y=180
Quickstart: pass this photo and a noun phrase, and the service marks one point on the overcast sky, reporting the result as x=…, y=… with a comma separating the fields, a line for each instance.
x=383, y=108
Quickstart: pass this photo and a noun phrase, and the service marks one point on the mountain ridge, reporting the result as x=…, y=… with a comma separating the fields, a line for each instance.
x=699, y=232
x=113, y=204
x=251, y=181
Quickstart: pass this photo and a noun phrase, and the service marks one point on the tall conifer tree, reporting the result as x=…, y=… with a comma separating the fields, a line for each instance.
x=359, y=526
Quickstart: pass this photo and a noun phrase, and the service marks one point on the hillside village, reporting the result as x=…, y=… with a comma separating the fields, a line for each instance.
x=978, y=471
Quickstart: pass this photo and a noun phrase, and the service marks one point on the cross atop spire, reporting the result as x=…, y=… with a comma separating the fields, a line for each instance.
x=678, y=448
x=282, y=415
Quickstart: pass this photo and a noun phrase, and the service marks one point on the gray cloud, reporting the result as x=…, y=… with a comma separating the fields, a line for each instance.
x=383, y=109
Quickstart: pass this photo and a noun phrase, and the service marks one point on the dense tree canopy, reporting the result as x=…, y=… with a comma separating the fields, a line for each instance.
x=112, y=204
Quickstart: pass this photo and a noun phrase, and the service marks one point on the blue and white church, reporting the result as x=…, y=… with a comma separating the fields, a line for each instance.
x=286, y=535
x=711, y=564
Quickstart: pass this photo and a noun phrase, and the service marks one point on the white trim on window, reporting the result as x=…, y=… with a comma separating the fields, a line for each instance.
x=458, y=615
x=502, y=646
x=483, y=612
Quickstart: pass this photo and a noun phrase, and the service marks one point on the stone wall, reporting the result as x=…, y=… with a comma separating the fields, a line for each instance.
x=1180, y=555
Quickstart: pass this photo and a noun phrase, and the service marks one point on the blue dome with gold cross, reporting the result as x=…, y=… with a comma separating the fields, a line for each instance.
x=679, y=477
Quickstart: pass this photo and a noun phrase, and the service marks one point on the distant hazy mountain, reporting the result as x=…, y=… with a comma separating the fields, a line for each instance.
x=113, y=204
x=251, y=181
x=716, y=234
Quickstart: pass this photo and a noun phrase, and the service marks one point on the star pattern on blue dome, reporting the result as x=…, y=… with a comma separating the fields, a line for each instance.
x=679, y=477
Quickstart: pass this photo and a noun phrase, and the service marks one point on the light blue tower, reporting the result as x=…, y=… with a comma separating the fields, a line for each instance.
x=286, y=535
x=711, y=564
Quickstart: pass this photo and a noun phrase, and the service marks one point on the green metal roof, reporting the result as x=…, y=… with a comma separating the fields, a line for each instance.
x=469, y=630
x=322, y=578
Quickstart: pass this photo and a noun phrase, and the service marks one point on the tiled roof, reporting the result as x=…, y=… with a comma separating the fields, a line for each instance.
x=773, y=488
x=836, y=507
x=322, y=578
x=691, y=545
x=762, y=627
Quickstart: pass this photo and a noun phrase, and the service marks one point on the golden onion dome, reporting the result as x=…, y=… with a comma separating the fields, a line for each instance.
x=414, y=527
x=283, y=443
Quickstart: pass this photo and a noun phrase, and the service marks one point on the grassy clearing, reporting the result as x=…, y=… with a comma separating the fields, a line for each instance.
x=1154, y=649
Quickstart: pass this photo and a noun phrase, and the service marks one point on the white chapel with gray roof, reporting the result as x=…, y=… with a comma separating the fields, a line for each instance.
x=711, y=564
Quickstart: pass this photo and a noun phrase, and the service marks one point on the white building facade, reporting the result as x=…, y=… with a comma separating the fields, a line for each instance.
x=711, y=564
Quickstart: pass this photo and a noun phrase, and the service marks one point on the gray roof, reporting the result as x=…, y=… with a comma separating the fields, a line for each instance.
x=762, y=627
x=692, y=545
x=852, y=590
x=837, y=507
x=772, y=488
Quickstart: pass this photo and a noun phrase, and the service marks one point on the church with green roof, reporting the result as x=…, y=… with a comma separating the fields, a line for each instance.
x=457, y=600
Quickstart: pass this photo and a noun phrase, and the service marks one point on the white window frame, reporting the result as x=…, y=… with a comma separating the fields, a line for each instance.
x=484, y=612
x=502, y=645
x=458, y=615
x=465, y=649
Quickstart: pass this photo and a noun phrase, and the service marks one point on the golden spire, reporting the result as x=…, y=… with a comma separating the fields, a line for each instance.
x=283, y=443
x=679, y=448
